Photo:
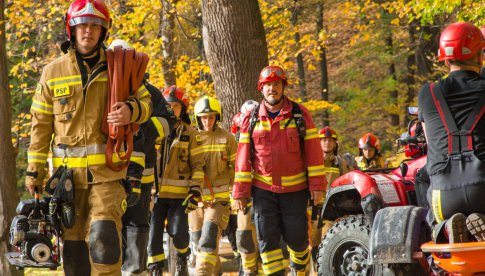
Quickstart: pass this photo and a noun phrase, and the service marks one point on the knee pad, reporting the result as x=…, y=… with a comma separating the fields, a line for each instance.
x=195, y=236
x=75, y=257
x=208, y=240
x=245, y=243
x=104, y=242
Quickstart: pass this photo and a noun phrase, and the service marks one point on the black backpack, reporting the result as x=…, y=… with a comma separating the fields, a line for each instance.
x=296, y=115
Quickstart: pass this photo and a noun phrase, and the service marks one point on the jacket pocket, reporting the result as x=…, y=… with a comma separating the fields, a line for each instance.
x=261, y=140
x=64, y=107
x=293, y=140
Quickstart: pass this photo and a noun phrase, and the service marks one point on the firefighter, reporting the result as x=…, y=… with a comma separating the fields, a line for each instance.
x=141, y=176
x=219, y=152
x=335, y=166
x=67, y=106
x=369, y=155
x=280, y=164
x=451, y=112
x=246, y=232
x=182, y=176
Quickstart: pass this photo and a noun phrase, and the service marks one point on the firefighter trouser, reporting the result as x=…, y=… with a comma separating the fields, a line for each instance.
x=215, y=219
x=246, y=242
x=177, y=227
x=93, y=245
x=136, y=225
x=281, y=215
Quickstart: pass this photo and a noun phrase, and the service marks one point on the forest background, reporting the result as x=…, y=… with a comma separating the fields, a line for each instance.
x=356, y=65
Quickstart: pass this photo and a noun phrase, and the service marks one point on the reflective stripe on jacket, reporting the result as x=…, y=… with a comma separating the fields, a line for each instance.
x=279, y=165
x=66, y=114
x=219, y=150
x=184, y=167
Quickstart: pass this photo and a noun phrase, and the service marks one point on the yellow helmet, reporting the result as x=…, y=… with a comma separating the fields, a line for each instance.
x=208, y=105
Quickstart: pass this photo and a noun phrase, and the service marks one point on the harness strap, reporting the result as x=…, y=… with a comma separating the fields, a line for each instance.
x=126, y=69
x=455, y=144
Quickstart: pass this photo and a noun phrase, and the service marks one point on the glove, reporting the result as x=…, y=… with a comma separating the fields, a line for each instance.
x=133, y=190
x=34, y=179
x=247, y=207
x=192, y=199
x=156, y=269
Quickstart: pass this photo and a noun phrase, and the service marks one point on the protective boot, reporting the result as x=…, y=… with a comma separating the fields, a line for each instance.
x=135, y=257
x=181, y=266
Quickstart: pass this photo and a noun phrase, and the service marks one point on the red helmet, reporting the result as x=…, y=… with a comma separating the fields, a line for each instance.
x=460, y=41
x=369, y=140
x=327, y=132
x=175, y=94
x=271, y=73
x=236, y=122
x=483, y=33
x=88, y=11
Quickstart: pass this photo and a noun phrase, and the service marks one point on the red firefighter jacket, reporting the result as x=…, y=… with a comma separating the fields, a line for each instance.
x=279, y=165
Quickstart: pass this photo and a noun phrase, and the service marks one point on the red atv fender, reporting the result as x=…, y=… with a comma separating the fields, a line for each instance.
x=366, y=192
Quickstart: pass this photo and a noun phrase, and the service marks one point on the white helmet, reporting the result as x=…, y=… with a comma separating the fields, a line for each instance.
x=120, y=42
x=248, y=106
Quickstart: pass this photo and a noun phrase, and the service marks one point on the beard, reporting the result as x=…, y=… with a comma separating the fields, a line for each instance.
x=273, y=101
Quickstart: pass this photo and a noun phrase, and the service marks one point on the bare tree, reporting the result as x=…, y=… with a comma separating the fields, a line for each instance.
x=167, y=23
x=299, y=57
x=236, y=50
x=323, y=62
x=8, y=188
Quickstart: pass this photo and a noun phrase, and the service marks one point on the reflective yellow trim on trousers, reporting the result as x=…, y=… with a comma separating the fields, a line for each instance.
x=138, y=159
x=436, y=205
x=244, y=138
x=174, y=189
x=205, y=257
x=316, y=170
x=83, y=162
x=293, y=180
x=273, y=255
x=311, y=133
x=273, y=267
x=147, y=179
x=249, y=263
x=243, y=176
x=156, y=258
x=297, y=257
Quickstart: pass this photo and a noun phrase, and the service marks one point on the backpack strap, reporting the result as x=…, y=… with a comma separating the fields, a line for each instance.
x=297, y=116
x=455, y=144
x=253, y=119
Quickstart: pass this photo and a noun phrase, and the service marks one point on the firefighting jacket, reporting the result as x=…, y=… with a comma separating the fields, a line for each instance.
x=67, y=112
x=152, y=132
x=279, y=165
x=219, y=150
x=184, y=168
x=335, y=166
x=375, y=163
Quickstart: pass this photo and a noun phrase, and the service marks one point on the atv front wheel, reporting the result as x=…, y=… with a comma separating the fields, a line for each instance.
x=345, y=248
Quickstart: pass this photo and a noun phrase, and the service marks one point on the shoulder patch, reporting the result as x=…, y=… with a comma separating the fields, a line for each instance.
x=61, y=91
x=38, y=89
x=184, y=138
x=222, y=140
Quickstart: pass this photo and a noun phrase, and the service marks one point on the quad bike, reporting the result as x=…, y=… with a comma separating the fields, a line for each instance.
x=353, y=201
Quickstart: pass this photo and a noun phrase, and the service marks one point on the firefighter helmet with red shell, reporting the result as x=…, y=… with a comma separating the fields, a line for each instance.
x=460, y=41
x=88, y=11
x=175, y=94
x=327, y=132
x=369, y=140
x=271, y=73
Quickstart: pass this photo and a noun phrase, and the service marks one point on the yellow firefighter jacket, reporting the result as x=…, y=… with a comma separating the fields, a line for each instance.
x=219, y=150
x=376, y=163
x=65, y=113
x=185, y=165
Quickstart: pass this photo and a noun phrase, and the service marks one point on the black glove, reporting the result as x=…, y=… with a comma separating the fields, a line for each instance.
x=133, y=190
x=192, y=199
x=156, y=269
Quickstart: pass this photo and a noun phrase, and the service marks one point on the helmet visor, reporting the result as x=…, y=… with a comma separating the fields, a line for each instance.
x=88, y=19
x=268, y=71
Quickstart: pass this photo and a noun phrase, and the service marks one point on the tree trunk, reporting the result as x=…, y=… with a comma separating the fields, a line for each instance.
x=299, y=56
x=167, y=23
x=236, y=50
x=323, y=63
x=411, y=71
x=392, y=73
x=8, y=188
